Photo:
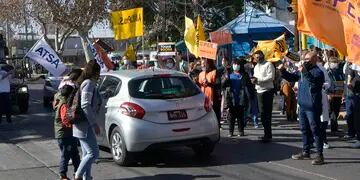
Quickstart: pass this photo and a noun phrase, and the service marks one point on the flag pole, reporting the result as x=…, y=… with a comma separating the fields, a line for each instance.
x=187, y=50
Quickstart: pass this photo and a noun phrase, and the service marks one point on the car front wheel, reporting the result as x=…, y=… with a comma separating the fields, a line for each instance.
x=118, y=148
x=204, y=148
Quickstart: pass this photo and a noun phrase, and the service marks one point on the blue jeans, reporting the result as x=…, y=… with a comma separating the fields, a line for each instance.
x=69, y=150
x=90, y=152
x=310, y=123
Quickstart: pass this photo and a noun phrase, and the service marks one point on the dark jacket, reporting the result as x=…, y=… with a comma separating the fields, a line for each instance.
x=246, y=91
x=61, y=131
x=310, y=88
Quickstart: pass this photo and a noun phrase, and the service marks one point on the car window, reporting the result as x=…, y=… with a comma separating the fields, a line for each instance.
x=162, y=88
x=110, y=85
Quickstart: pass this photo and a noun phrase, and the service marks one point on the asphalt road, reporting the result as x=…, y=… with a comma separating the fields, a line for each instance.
x=28, y=151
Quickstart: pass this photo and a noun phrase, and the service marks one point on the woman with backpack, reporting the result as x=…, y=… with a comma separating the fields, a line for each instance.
x=86, y=127
x=63, y=133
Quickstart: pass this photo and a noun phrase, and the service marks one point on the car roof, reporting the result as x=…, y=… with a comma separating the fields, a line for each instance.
x=137, y=73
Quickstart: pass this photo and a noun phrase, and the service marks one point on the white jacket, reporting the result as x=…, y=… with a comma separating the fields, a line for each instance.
x=325, y=101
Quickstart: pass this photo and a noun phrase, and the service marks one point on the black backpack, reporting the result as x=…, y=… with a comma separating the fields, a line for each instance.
x=75, y=114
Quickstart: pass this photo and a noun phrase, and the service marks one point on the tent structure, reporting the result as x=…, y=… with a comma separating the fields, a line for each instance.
x=255, y=25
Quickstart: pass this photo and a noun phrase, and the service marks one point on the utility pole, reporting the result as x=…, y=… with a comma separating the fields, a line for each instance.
x=293, y=8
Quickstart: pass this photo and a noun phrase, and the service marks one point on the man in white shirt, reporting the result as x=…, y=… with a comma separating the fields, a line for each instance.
x=5, y=103
x=264, y=76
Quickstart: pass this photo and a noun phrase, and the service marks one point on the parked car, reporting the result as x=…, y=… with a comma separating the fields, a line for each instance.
x=145, y=109
x=50, y=88
x=19, y=93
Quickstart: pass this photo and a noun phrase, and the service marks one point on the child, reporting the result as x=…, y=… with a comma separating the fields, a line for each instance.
x=63, y=133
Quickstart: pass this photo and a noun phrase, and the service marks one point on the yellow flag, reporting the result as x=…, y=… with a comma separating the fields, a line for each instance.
x=128, y=23
x=190, y=36
x=130, y=53
x=274, y=50
x=200, y=30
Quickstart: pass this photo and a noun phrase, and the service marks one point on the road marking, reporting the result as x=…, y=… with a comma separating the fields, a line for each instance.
x=303, y=171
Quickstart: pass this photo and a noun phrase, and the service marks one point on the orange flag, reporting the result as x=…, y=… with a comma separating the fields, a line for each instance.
x=109, y=65
x=335, y=22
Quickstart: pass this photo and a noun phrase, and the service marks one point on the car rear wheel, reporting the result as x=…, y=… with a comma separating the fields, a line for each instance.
x=204, y=148
x=23, y=107
x=118, y=148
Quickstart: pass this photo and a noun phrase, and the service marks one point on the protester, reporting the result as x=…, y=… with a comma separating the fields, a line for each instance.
x=126, y=64
x=354, y=86
x=310, y=82
x=336, y=75
x=325, y=104
x=5, y=102
x=194, y=71
x=236, y=99
x=348, y=98
x=63, y=133
x=170, y=64
x=264, y=76
x=183, y=65
x=86, y=129
x=70, y=79
x=208, y=83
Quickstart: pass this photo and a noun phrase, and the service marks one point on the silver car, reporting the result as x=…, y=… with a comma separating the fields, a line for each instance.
x=146, y=109
x=51, y=85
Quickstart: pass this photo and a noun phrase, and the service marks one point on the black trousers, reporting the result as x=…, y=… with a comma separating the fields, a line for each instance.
x=5, y=106
x=335, y=105
x=236, y=113
x=265, y=101
x=356, y=103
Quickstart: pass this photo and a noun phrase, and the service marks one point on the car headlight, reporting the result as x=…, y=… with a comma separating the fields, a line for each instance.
x=23, y=90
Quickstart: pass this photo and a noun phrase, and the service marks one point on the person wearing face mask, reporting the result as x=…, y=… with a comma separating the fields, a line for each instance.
x=208, y=83
x=236, y=98
x=263, y=79
x=170, y=64
x=127, y=64
x=310, y=84
x=335, y=75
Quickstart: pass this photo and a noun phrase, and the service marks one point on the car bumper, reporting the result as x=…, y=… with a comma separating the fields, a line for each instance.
x=49, y=92
x=140, y=134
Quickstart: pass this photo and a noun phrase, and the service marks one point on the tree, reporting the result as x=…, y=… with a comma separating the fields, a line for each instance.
x=79, y=15
x=163, y=18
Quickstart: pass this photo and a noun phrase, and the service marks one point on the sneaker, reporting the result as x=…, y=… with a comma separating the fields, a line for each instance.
x=301, y=156
x=256, y=126
x=319, y=160
x=264, y=139
x=231, y=135
x=326, y=146
x=356, y=144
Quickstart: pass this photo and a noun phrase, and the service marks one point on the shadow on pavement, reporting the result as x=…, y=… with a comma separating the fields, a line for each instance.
x=172, y=177
x=229, y=151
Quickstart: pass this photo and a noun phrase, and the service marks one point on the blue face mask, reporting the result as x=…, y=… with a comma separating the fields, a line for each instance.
x=236, y=67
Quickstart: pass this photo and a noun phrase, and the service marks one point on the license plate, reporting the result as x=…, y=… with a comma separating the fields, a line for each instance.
x=177, y=115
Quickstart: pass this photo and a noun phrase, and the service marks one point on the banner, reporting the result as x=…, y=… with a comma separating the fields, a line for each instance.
x=166, y=49
x=274, y=50
x=98, y=58
x=207, y=50
x=130, y=53
x=221, y=37
x=190, y=36
x=335, y=22
x=103, y=56
x=128, y=23
x=44, y=55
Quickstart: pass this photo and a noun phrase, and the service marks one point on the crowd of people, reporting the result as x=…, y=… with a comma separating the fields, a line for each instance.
x=312, y=91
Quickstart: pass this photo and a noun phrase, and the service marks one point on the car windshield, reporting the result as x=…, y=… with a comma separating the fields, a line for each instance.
x=163, y=88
